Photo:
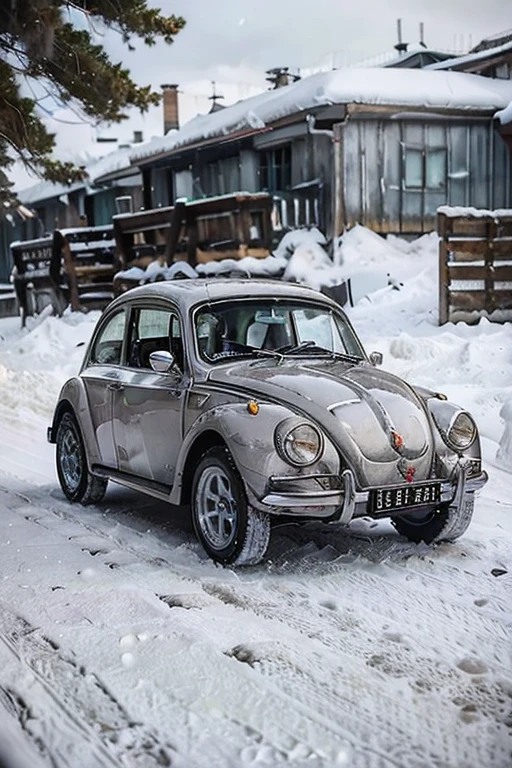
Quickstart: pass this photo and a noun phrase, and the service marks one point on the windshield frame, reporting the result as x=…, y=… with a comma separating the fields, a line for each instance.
x=336, y=312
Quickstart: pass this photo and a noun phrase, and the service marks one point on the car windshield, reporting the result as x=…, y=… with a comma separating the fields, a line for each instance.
x=267, y=327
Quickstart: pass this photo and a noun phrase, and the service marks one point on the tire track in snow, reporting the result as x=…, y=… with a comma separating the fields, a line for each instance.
x=277, y=741
x=351, y=600
x=76, y=721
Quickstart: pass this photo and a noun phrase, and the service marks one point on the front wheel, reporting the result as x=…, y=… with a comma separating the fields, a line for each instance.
x=230, y=530
x=77, y=483
x=444, y=524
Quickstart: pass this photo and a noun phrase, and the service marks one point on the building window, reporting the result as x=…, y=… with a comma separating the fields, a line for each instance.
x=435, y=169
x=502, y=71
x=425, y=169
x=276, y=169
x=221, y=177
x=413, y=168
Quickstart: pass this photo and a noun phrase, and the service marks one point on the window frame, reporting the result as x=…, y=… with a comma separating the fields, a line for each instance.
x=426, y=153
x=270, y=169
x=135, y=309
x=98, y=335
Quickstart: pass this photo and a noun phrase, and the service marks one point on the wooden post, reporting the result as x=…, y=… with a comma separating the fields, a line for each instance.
x=444, y=273
x=489, y=266
x=338, y=192
x=69, y=266
x=174, y=231
x=192, y=236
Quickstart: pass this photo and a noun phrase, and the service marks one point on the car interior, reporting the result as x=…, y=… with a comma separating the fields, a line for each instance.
x=141, y=346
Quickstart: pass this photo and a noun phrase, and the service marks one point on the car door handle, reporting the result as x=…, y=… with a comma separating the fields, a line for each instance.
x=116, y=386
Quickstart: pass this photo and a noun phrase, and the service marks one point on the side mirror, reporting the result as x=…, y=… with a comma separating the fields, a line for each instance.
x=161, y=362
x=376, y=358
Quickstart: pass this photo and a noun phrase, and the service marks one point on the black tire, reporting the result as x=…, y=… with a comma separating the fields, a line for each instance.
x=77, y=483
x=444, y=524
x=243, y=533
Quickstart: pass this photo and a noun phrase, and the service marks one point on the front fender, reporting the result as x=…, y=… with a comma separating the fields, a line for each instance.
x=250, y=440
x=442, y=413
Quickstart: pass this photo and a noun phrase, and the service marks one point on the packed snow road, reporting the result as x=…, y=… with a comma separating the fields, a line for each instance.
x=121, y=644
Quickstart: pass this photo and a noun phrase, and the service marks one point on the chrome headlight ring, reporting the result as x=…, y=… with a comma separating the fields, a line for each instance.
x=462, y=432
x=298, y=442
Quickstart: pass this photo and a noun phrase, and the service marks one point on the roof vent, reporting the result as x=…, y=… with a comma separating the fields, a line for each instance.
x=281, y=76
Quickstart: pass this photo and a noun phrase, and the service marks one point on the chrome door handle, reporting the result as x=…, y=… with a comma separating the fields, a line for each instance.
x=116, y=386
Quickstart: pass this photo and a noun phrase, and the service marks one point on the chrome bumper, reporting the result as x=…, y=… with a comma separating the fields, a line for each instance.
x=349, y=501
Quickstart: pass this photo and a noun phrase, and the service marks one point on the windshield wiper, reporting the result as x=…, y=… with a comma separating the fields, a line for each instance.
x=313, y=347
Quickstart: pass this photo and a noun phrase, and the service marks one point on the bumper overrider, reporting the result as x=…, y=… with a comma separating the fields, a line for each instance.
x=352, y=503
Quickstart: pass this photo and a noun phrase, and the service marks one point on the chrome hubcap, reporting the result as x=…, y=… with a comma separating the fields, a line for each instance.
x=70, y=460
x=216, y=508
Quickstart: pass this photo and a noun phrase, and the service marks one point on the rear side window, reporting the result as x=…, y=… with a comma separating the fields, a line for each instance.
x=108, y=346
x=153, y=323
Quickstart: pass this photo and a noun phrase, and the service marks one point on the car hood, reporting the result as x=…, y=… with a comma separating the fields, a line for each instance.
x=360, y=407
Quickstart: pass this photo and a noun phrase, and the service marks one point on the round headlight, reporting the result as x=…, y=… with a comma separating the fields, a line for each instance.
x=299, y=445
x=462, y=432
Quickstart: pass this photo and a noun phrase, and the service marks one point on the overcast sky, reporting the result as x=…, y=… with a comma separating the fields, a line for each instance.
x=234, y=41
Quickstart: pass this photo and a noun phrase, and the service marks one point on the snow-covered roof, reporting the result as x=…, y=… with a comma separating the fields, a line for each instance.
x=410, y=87
x=114, y=161
x=458, y=61
x=96, y=169
x=45, y=190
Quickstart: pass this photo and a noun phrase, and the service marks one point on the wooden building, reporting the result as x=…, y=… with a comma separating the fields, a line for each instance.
x=379, y=147
x=383, y=147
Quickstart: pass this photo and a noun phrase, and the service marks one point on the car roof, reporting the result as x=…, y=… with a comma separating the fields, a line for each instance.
x=187, y=293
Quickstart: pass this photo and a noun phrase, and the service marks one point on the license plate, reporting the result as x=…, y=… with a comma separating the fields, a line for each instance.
x=390, y=499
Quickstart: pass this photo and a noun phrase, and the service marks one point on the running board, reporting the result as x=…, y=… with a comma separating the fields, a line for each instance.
x=149, y=487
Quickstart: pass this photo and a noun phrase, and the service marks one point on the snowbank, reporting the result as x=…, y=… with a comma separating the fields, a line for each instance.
x=297, y=237
x=504, y=454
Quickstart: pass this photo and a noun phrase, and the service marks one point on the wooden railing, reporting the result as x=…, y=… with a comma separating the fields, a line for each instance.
x=475, y=264
x=74, y=266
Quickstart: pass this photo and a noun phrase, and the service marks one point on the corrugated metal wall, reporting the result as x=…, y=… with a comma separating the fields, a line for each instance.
x=397, y=172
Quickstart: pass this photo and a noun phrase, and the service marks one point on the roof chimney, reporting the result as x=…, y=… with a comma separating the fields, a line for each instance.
x=171, y=116
x=401, y=47
x=137, y=137
x=422, y=35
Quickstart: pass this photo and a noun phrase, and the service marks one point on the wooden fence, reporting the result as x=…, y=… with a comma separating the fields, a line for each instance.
x=475, y=264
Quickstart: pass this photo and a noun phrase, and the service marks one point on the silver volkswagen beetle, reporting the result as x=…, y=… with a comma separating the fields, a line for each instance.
x=250, y=399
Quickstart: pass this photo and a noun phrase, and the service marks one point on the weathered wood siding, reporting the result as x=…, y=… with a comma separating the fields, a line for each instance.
x=378, y=192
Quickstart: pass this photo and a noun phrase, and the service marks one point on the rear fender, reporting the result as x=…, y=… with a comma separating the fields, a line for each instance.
x=73, y=398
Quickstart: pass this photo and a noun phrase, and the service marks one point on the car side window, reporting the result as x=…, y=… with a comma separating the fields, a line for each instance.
x=154, y=330
x=108, y=346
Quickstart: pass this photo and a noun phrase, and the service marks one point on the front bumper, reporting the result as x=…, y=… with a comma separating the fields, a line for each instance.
x=350, y=503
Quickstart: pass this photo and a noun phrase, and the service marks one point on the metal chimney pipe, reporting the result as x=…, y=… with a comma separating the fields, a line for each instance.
x=401, y=47
x=422, y=34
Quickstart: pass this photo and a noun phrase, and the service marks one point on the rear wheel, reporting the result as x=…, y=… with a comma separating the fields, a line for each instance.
x=230, y=530
x=446, y=523
x=77, y=483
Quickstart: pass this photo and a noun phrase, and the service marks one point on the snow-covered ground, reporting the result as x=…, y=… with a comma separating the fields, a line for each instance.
x=121, y=644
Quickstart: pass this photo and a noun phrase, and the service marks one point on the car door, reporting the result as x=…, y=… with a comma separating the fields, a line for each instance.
x=101, y=378
x=148, y=405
